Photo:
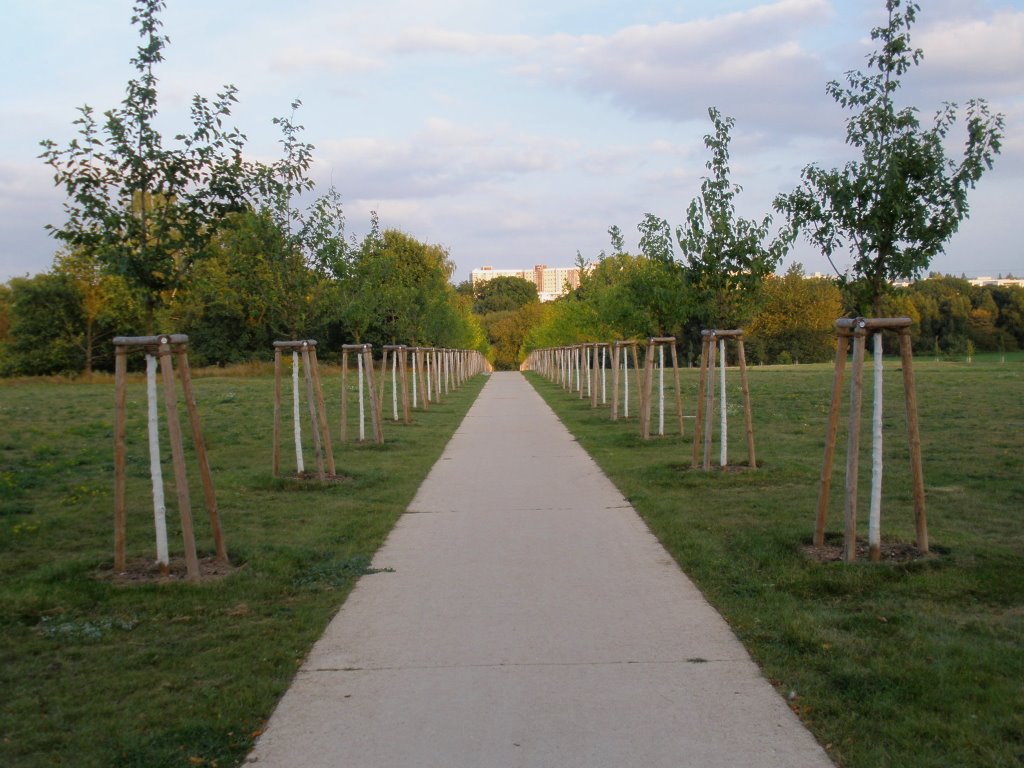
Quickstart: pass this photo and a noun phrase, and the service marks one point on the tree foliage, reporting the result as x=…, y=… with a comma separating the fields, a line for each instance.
x=795, y=319
x=897, y=205
x=143, y=208
x=503, y=293
x=726, y=256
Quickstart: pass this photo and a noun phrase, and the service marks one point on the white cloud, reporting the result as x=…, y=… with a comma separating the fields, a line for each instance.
x=437, y=40
x=442, y=158
x=986, y=54
x=332, y=61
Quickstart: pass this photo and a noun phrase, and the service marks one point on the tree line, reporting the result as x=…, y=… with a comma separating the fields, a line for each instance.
x=245, y=292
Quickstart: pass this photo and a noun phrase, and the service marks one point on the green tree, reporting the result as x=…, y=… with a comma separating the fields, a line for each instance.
x=45, y=326
x=503, y=293
x=252, y=287
x=726, y=256
x=897, y=205
x=1010, y=302
x=618, y=242
x=795, y=319
x=144, y=209
x=316, y=234
x=656, y=238
x=943, y=307
x=507, y=331
x=399, y=289
x=107, y=306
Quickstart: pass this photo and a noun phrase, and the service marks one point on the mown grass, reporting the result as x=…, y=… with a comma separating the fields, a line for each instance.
x=913, y=664
x=96, y=673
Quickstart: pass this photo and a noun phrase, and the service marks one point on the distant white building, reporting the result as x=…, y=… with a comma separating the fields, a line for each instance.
x=996, y=281
x=978, y=281
x=551, y=282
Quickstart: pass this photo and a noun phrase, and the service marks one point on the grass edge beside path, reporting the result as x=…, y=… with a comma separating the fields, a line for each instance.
x=913, y=664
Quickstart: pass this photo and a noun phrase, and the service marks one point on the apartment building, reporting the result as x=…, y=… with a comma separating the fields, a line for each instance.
x=551, y=282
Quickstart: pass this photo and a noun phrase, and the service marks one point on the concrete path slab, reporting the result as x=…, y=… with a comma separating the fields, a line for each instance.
x=531, y=620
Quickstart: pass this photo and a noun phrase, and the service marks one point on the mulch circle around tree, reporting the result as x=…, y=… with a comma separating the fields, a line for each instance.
x=146, y=571
x=891, y=551
x=331, y=479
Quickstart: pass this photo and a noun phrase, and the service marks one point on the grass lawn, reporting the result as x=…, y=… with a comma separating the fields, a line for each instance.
x=96, y=673
x=913, y=664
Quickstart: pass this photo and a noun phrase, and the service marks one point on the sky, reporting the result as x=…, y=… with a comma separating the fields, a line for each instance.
x=515, y=133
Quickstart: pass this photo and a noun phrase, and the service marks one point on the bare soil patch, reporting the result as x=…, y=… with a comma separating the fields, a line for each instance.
x=145, y=571
x=892, y=552
x=313, y=476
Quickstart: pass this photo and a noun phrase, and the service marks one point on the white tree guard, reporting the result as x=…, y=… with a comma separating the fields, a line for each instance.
x=394, y=384
x=155, y=471
x=362, y=408
x=723, y=451
x=625, y=384
x=604, y=376
x=589, y=367
x=415, y=394
x=297, y=414
x=430, y=378
x=875, y=512
x=661, y=389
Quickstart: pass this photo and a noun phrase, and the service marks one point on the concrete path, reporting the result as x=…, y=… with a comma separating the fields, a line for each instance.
x=531, y=620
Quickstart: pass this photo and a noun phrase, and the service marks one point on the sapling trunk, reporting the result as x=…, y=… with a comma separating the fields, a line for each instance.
x=155, y=471
x=723, y=449
x=362, y=408
x=297, y=414
x=875, y=512
x=394, y=384
x=661, y=389
x=625, y=383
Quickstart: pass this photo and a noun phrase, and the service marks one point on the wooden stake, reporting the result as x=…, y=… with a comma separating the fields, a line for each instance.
x=276, y=460
x=344, y=395
x=679, y=391
x=698, y=427
x=914, y=436
x=748, y=411
x=709, y=406
x=853, y=448
x=424, y=383
x=646, y=390
x=178, y=460
x=403, y=375
x=209, y=496
x=325, y=430
x=375, y=414
x=120, y=391
x=314, y=419
x=825, y=486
